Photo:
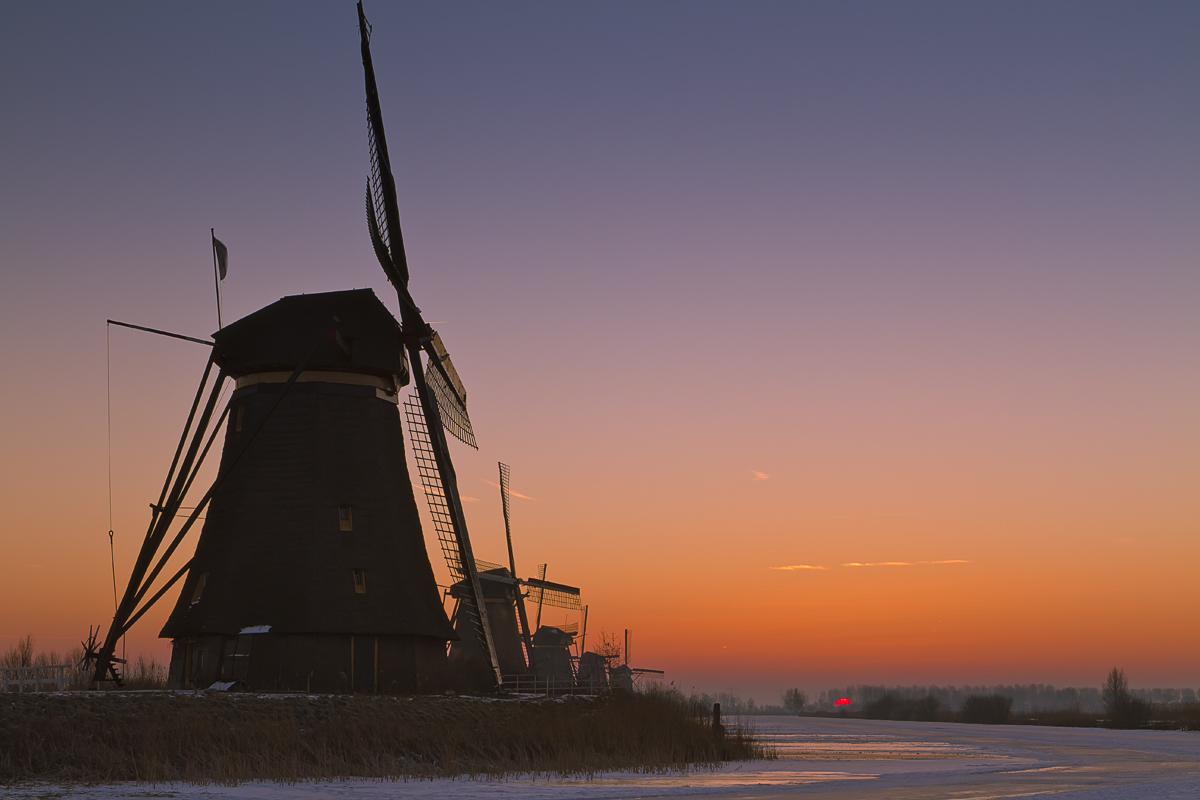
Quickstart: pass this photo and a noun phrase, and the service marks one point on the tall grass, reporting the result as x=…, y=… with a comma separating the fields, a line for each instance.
x=224, y=738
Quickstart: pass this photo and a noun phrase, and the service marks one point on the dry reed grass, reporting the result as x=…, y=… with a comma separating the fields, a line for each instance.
x=164, y=737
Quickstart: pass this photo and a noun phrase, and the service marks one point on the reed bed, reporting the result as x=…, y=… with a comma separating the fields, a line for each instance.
x=166, y=737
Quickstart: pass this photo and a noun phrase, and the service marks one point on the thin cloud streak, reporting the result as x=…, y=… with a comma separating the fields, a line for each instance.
x=758, y=476
x=799, y=566
x=464, y=497
x=904, y=563
x=510, y=491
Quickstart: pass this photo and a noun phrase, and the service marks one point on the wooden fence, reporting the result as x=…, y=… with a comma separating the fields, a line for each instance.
x=21, y=679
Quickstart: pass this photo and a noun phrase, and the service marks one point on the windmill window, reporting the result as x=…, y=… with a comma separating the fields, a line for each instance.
x=199, y=590
x=241, y=412
x=345, y=518
x=360, y=581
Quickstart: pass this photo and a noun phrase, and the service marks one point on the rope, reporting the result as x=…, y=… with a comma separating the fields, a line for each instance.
x=108, y=396
x=112, y=555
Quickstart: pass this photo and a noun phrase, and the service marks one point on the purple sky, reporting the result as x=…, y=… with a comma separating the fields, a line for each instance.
x=930, y=259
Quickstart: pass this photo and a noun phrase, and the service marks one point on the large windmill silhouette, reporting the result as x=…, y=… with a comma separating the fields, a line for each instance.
x=311, y=571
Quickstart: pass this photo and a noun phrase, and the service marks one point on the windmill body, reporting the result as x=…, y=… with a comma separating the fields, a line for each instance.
x=311, y=571
x=469, y=663
x=552, y=653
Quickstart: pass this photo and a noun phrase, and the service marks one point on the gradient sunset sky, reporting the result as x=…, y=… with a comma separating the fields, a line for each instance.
x=828, y=342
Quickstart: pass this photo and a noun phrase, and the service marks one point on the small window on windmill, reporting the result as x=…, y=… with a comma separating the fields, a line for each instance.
x=345, y=517
x=199, y=590
x=360, y=581
x=241, y=412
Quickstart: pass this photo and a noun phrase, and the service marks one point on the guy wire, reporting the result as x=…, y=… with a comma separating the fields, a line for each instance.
x=112, y=556
x=108, y=393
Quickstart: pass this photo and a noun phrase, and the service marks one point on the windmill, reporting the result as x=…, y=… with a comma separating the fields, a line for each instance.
x=516, y=641
x=310, y=571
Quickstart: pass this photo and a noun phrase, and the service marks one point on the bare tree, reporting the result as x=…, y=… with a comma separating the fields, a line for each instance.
x=795, y=700
x=20, y=654
x=1120, y=706
x=608, y=644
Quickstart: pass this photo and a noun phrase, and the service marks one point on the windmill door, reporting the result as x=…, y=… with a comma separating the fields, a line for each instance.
x=364, y=663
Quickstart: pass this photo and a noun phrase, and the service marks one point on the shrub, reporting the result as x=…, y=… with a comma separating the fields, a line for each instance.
x=988, y=709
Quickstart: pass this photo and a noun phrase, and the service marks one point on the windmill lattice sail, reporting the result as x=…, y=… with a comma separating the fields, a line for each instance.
x=439, y=508
x=435, y=493
x=450, y=393
x=556, y=595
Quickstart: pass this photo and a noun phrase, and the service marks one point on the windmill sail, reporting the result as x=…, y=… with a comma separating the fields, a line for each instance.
x=557, y=595
x=442, y=514
x=526, y=637
x=435, y=492
x=383, y=222
x=450, y=393
x=383, y=211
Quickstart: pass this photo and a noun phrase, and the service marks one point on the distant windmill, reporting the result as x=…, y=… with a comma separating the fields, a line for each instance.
x=516, y=643
x=311, y=571
x=541, y=591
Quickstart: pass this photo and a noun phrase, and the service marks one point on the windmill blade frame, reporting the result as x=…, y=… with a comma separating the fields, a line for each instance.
x=505, y=500
x=418, y=337
x=450, y=393
x=555, y=595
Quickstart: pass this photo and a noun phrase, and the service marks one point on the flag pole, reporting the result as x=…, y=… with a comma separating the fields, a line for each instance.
x=216, y=275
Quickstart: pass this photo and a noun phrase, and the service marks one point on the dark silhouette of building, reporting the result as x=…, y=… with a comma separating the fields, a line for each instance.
x=311, y=572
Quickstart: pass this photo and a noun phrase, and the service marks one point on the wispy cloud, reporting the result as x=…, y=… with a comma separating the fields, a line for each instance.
x=799, y=566
x=510, y=491
x=466, y=498
x=904, y=563
x=758, y=476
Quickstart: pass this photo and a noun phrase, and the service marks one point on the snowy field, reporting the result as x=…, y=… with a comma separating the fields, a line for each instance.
x=842, y=759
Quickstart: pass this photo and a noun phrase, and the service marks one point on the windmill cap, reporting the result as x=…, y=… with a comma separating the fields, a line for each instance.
x=354, y=330
x=548, y=636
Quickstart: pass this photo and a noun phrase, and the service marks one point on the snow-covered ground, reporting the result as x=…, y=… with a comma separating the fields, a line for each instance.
x=817, y=758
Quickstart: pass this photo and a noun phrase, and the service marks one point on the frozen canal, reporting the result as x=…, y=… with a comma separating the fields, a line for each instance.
x=820, y=758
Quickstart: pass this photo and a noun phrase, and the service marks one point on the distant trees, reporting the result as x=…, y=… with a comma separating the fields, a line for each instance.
x=794, y=700
x=896, y=707
x=1026, y=697
x=988, y=709
x=1122, y=709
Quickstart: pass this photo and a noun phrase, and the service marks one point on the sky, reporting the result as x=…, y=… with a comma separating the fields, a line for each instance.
x=828, y=342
